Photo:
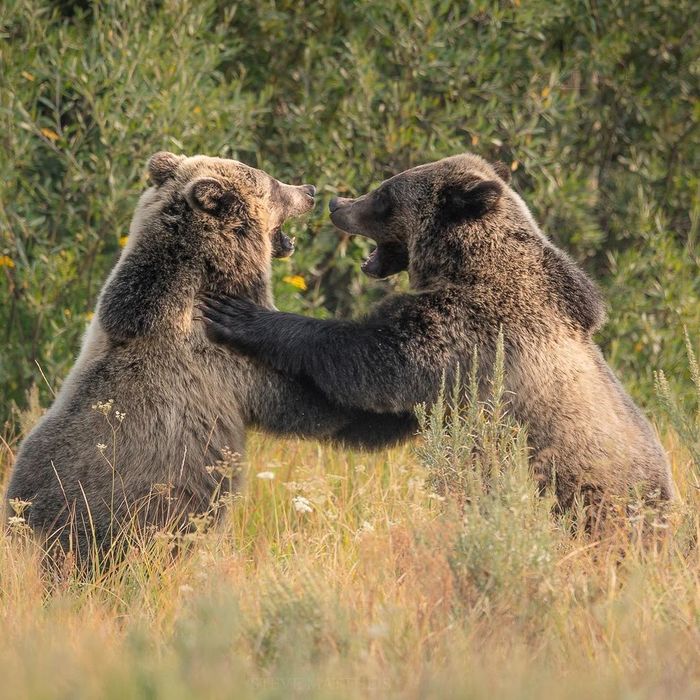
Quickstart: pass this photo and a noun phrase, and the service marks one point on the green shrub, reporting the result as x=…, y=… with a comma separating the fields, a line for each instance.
x=593, y=105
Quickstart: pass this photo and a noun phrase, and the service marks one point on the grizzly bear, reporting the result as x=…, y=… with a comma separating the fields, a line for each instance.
x=145, y=427
x=477, y=263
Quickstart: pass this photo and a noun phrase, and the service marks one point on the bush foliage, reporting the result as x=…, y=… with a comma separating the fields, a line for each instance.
x=594, y=105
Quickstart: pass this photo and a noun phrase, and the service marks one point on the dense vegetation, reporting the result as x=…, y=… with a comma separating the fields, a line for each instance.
x=594, y=105
x=430, y=570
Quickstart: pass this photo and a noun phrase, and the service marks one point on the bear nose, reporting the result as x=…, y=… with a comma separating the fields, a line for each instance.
x=309, y=189
x=335, y=203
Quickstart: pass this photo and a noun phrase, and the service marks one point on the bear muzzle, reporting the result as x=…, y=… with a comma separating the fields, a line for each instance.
x=293, y=200
x=338, y=202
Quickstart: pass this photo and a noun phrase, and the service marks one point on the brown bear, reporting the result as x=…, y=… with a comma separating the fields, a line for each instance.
x=145, y=425
x=477, y=263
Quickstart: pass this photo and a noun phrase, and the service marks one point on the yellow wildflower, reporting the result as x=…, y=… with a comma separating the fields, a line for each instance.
x=27, y=76
x=89, y=315
x=296, y=281
x=545, y=91
x=50, y=134
x=197, y=110
x=7, y=261
x=514, y=165
x=475, y=140
x=123, y=240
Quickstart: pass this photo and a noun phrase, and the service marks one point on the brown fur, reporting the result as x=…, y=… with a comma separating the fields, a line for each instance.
x=477, y=263
x=207, y=225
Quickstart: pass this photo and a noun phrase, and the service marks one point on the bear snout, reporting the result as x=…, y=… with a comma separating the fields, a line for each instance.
x=337, y=202
x=295, y=199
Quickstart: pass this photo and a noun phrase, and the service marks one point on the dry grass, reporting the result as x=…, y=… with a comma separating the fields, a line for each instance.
x=380, y=590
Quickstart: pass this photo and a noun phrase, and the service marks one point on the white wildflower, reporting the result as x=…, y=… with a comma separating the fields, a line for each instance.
x=378, y=631
x=103, y=407
x=266, y=475
x=302, y=505
x=19, y=506
x=101, y=446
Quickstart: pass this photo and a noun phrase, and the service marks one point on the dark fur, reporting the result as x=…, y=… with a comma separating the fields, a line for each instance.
x=477, y=262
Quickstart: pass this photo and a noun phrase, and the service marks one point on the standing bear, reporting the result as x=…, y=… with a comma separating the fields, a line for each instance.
x=143, y=429
x=477, y=263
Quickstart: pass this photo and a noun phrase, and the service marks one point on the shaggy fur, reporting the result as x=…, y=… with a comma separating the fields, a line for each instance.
x=477, y=262
x=206, y=226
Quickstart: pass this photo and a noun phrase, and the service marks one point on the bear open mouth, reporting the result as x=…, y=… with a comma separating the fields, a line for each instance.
x=282, y=244
x=385, y=260
x=371, y=263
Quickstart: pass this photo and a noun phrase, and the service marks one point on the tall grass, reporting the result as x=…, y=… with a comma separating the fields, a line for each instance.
x=434, y=569
x=685, y=421
x=476, y=456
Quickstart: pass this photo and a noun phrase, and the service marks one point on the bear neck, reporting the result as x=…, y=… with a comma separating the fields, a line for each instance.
x=253, y=285
x=244, y=272
x=462, y=255
x=523, y=281
x=215, y=270
x=484, y=264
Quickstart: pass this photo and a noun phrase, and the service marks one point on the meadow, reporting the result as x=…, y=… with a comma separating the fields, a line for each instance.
x=419, y=572
x=433, y=569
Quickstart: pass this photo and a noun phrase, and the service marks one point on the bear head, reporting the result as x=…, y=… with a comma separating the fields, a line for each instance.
x=226, y=216
x=457, y=221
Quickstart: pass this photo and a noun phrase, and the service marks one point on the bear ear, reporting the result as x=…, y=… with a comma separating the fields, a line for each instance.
x=162, y=166
x=502, y=170
x=208, y=195
x=469, y=201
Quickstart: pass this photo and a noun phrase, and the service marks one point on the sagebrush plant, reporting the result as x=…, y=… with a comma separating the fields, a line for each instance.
x=685, y=421
x=476, y=457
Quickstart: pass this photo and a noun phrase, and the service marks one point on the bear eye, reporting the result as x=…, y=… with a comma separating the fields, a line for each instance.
x=383, y=203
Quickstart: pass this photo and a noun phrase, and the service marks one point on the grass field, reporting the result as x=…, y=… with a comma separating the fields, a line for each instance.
x=347, y=575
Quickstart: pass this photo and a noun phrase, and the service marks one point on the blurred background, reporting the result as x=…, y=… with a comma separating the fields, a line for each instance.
x=594, y=105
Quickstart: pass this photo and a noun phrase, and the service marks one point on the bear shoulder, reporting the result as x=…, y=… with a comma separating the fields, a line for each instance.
x=575, y=293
